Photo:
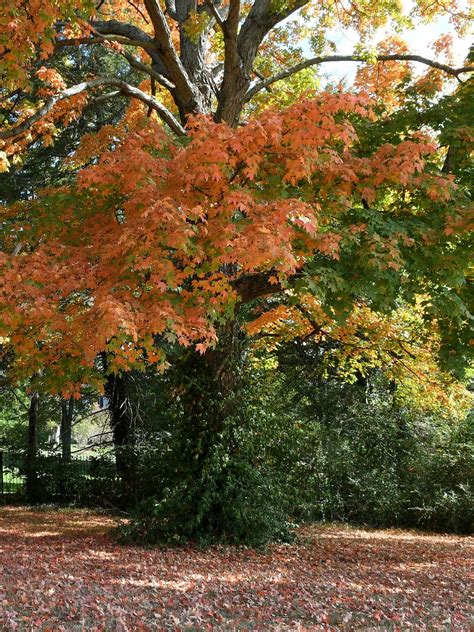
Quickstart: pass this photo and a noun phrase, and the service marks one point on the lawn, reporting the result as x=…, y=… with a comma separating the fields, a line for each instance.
x=60, y=570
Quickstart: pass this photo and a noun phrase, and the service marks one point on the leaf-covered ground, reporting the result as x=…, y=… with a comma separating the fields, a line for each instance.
x=61, y=571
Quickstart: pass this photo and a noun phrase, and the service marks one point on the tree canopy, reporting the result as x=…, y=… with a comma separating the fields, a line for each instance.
x=214, y=187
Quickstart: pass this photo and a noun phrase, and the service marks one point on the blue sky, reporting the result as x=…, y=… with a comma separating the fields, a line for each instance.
x=418, y=40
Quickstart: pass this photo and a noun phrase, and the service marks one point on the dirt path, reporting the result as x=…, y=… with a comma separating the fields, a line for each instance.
x=59, y=570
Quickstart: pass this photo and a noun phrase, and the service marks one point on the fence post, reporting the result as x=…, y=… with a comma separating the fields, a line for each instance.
x=2, y=491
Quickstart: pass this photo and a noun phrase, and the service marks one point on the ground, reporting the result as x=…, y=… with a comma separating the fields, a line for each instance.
x=61, y=570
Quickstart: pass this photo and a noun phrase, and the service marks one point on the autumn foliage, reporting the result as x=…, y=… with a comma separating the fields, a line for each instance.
x=172, y=223
x=159, y=239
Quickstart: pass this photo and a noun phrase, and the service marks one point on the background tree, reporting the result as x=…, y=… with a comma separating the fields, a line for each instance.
x=67, y=417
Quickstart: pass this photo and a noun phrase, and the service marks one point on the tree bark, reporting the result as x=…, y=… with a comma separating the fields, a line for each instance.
x=211, y=395
x=122, y=434
x=32, y=486
x=214, y=381
x=67, y=412
x=208, y=387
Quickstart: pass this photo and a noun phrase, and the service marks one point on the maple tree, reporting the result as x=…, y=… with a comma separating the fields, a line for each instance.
x=230, y=177
x=187, y=231
x=185, y=47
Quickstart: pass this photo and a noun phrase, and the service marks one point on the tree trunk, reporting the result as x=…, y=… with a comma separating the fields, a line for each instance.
x=214, y=381
x=122, y=434
x=67, y=412
x=211, y=393
x=32, y=486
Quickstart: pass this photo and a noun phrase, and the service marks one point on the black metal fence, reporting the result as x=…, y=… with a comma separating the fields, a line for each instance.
x=57, y=479
x=12, y=479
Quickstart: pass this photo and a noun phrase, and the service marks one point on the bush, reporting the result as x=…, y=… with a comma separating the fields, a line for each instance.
x=90, y=481
x=223, y=498
x=440, y=493
x=314, y=448
x=350, y=452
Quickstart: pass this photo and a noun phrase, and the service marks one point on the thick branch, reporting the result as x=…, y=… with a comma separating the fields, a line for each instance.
x=192, y=51
x=132, y=36
x=124, y=88
x=100, y=39
x=232, y=61
x=122, y=29
x=185, y=89
x=171, y=9
x=252, y=286
x=449, y=160
x=314, y=61
x=215, y=14
x=147, y=44
x=261, y=19
x=115, y=27
x=157, y=17
x=136, y=63
x=241, y=50
x=232, y=21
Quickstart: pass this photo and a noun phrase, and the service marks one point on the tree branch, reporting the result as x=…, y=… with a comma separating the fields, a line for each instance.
x=232, y=20
x=314, y=61
x=127, y=31
x=259, y=21
x=171, y=9
x=124, y=88
x=116, y=31
x=252, y=286
x=130, y=36
x=185, y=89
x=105, y=97
x=100, y=39
x=215, y=13
x=138, y=10
x=449, y=160
x=241, y=49
x=136, y=63
x=142, y=40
